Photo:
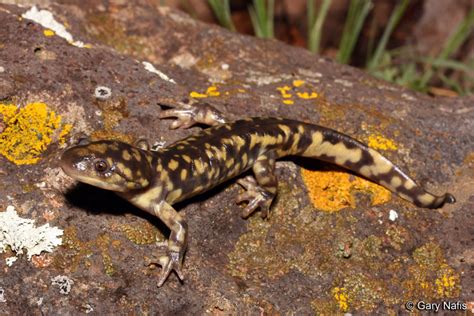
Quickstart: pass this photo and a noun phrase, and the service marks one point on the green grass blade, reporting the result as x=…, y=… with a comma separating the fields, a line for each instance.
x=451, y=83
x=392, y=23
x=447, y=63
x=455, y=41
x=261, y=15
x=315, y=24
x=221, y=9
x=358, y=11
x=310, y=16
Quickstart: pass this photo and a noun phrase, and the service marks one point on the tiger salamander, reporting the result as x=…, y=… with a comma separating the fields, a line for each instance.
x=155, y=180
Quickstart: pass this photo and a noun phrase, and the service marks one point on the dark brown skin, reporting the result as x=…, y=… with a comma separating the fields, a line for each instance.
x=154, y=181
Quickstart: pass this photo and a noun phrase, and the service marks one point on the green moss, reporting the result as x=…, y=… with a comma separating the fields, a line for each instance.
x=75, y=250
x=109, y=31
x=103, y=243
x=113, y=112
x=142, y=234
x=430, y=277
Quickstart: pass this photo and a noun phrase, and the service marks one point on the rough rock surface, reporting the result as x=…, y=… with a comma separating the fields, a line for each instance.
x=302, y=259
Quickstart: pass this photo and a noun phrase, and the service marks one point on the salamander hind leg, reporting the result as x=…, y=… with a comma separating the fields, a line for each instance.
x=260, y=190
x=173, y=260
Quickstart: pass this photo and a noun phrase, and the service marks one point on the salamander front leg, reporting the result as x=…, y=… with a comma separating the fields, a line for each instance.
x=201, y=113
x=173, y=260
x=260, y=190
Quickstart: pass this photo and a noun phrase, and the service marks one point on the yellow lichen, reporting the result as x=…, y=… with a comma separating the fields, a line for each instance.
x=447, y=282
x=48, y=33
x=197, y=95
x=210, y=92
x=64, y=132
x=377, y=141
x=284, y=91
x=341, y=297
x=306, y=95
x=29, y=131
x=332, y=191
x=8, y=111
x=298, y=83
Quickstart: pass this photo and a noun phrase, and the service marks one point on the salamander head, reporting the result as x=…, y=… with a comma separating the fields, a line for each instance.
x=110, y=165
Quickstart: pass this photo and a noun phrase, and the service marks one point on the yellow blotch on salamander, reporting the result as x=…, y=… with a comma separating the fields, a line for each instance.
x=331, y=191
x=28, y=132
x=377, y=141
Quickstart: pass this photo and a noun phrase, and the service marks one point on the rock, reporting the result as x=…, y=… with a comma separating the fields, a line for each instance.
x=302, y=260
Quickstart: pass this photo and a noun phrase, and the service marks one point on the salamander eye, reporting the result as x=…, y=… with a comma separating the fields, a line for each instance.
x=101, y=165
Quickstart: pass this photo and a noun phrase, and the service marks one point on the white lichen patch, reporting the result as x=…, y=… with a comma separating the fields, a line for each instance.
x=392, y=215
x=185, y=60
x=344, y=82
x=102, y=93
x=10, y=260
x=21, y=234
x=2, y=295
x=64, y=283
x=47, y=20
x=151, y=68
x=262, y=79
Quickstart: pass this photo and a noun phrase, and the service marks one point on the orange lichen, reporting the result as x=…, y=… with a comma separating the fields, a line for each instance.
x=377, y=141
x=288, y=101
x=29, y=131
x=332, y=191
x=42, y=261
